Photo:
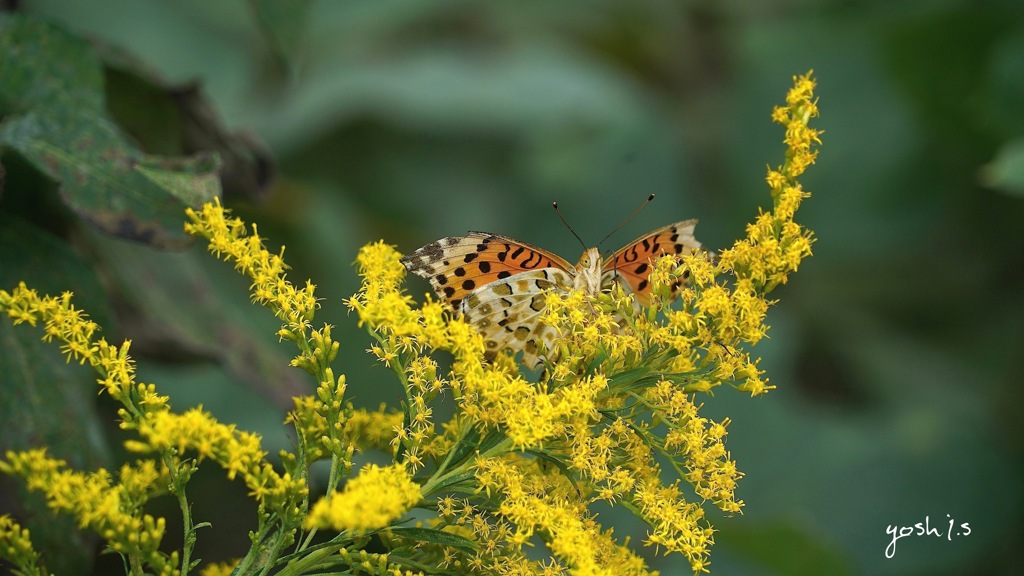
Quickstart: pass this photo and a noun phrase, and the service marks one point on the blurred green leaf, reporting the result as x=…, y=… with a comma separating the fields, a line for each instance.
x=173, y=119
x=98, y=173
x=1006, y=171
x=142, y=109
x=1005, y=85
x=447, y=88
x=947, y=79
x=284, y=25
x=41, y=65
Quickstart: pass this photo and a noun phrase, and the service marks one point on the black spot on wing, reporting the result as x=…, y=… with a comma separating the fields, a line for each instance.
x=537, y=303
x=533, y=261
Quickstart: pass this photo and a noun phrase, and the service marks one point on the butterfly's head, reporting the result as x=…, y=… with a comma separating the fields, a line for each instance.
x=588, y=271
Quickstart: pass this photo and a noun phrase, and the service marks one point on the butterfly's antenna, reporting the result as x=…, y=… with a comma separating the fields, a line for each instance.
x=642, y=206
x=562, y=218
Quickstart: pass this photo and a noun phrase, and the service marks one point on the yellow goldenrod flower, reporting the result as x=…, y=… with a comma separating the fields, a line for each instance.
x=147, y=412
x=110, y=509
x=16, y=548
x=371, y=500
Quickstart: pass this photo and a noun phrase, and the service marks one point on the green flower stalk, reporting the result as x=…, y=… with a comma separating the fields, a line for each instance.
x=613, y=414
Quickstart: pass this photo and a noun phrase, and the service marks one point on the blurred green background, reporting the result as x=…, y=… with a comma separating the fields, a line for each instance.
x=896, y=349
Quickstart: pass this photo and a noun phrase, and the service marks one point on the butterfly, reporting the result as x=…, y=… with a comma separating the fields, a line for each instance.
x=499, y=284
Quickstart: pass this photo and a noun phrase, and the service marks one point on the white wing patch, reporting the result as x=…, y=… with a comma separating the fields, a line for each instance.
x=507, y=312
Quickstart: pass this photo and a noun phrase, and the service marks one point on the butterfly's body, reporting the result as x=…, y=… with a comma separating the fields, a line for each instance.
x=499, y=284
x=588, y=272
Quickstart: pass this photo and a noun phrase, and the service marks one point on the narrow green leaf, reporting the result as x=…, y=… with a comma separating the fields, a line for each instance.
x=436, y=537
x=451, y=480
x=491, y=440
x=466, y=446
x=549, y=457
x=622, y=379
x=173, y=119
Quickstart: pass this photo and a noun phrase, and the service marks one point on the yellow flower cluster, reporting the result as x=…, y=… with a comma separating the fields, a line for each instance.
x=228, y=238
x=535, y=500
x=677, y=524
x=698, y=443
x=75, y=331
x=373, y=499
x=95, y=499
x=775, y=244
x=16, y=548
x=617, y=391
x=620, y=463
x=111, y=509
x=591, y=330
x=320, y=420
x=494, y=402
x=364, y=429
x=715, y=318
x=146, y=411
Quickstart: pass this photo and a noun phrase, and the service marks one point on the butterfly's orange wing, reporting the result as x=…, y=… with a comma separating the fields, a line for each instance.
x=458, y=265
x=632, y=264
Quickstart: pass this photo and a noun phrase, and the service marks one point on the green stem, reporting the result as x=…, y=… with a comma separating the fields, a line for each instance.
x=190, y=534
x=499, y=448
x=136, y=565
x=243, y=566
x=274, y=552
x=463, y=430
x=178, y=488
